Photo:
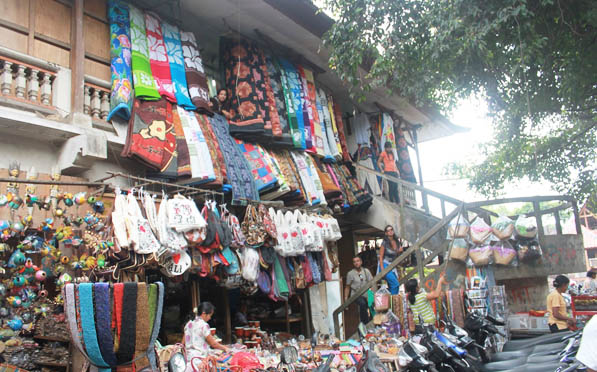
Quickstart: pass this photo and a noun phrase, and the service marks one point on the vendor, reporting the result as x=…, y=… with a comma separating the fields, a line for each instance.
x=592, y=285
x=197, y=336
x=389, y=251
x=221, y=104
x=556, y=306
x=419, y=300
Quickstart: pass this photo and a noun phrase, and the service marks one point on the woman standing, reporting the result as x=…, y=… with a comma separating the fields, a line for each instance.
x=221, y=104
x=419, y=300
x=387, y=162
x=556, y=306
x=389, y=251
x=197, y=335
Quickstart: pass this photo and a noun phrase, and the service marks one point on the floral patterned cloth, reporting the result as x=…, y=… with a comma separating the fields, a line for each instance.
x=121, y=95
x=273, y=121
x=176, y=61
x=158, y=57
x=246, y=88
x=196, y=79
x=143, y=81
x=150, y=136
x=195, y=343
x=262, y=172
x=294, y=102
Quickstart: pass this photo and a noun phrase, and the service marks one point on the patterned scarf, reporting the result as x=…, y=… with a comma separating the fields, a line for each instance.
x=202, y=169
x=121, y=98
x=275, y=78
x=316, y=127
x=176, y=61
x=294, y=104
x=145, y=86
x=195, y=74
x=214, y=152
x=158, y=57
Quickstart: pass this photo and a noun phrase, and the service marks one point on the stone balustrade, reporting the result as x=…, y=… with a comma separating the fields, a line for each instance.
x=26, y=82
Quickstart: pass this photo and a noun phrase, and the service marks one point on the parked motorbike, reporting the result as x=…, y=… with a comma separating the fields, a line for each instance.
x=482, y=329
x=440, y=354
x=370, y=362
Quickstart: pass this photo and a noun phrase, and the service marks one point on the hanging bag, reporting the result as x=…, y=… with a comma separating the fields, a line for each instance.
x=299, y=275
x=118, y=221
x=183, y=215
x=284, y=235
x=252, y=227
x=250, y=263
x=146, y=242
x=306, y=230
x=267, y=222
x=296, y=237
x=318, y=226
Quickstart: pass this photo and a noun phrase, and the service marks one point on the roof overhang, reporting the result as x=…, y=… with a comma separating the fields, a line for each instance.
x=298, y=26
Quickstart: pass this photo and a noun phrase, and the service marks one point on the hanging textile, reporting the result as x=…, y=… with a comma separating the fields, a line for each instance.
x=362, y=129
x=214, y=152
x=294, y=93
x=307, y=111
x=316, y=181
x=273, y=121
x=332, y=193
x=341, y=135
x=316, y=126
x=145, y=86
x=245, y=88
x=150, y=137
x=283, y=187
x=121, y=95
x=280, y=99
x=176, y=61
x=387, y=134
x=195, y=74
x=404, y=165
x=338, y=150
x=158, y=57
x=304, y=172
x=238, y=171
x=290, y=175
x=183, y=166
x=261, y=171
x=329, y=143
x=202, y=169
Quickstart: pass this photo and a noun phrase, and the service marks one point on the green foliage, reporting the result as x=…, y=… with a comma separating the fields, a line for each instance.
x=534, y=61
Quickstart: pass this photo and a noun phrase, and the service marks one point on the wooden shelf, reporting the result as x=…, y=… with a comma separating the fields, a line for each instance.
x=50, y=338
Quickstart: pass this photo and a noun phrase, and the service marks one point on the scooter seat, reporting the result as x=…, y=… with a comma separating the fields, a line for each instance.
x=513, y=363
x=540, y=340
x=538, y=367
x=508, y=355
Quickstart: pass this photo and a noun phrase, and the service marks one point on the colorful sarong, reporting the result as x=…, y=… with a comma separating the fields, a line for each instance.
x=326, y=125
x=158, y=57
x=121, y=95
x=214, y=152
x=261, y=171
x=150, y=137
x=336, y=138
x=270, y=102
x=294, y=104
x=238, y=171
x=176, y=61
x=316, y=131
x=307, y=110
x=145, y=86
x=280, y=98
x=202, y=169
x=341, y=135
x=195, y=74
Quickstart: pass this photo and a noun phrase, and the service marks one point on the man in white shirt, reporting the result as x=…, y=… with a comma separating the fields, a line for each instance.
x=587, y=353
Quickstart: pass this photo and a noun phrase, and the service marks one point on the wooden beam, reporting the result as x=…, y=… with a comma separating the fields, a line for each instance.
x=77, y=57
x=31, y=35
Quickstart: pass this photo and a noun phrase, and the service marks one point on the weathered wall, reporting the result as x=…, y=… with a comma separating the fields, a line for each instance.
x=526, y=294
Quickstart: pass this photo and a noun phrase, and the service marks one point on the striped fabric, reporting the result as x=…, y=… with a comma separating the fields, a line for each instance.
x=422, y=307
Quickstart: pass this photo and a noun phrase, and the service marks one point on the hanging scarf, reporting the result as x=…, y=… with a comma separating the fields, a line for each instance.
x=336, y=137
x=261, y=171
x=270, y=103
x=294, y=104
x=214, y=152
x=273, y=69
x=103, y=314
x=183, y=164
x=304, y=171
x=387, y=134
x=195, y=74
x=121, y=98
x=88, y=324
x=126, y=349
x=307, y=110
x=176, y=61
x=156, y=324
x=145, y=86
x=316, y=127
x=283, y=160
x=143, y=328
x=283, y=186
x=202, y=169
x=404, y=165
x=244, y=79
x=150, y=137
x=316, y=181
x=326, y=126
x=158, y=57
x=238, y=171
x=341, y=135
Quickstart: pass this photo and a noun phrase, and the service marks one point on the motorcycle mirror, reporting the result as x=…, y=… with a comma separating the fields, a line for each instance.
x=289, y=355
x=362, y=330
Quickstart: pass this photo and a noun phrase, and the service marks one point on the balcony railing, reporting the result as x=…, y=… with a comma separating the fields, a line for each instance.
x=97, y=98
x=26, y=82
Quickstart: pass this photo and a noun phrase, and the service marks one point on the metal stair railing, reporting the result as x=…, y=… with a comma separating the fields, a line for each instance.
x=437, y=227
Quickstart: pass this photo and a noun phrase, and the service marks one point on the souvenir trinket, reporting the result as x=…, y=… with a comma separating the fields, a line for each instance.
x=16, y=259
x=3, y=200
x=80, y=198
x=15, y=323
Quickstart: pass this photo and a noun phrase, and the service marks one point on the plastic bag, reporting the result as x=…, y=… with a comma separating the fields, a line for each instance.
x=459, y=250
x=250, y=264
x=382, y=299
x=482, y=255
x=458, y=227
x=503, y=228
x=480, y=231
x=529, y=250
x=526, y=227
x=246, y=361
x=503, y=253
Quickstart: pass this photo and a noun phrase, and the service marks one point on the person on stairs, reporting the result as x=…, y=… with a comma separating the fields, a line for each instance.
x=355, y=280
x=387, y=162
x=389, y=251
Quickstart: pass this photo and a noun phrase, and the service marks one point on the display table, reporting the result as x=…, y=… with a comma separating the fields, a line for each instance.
x=584, y=305
x=287, y=320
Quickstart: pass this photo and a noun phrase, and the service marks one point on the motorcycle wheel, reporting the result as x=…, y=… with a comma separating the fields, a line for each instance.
x=461, y=365
x=446, y=368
